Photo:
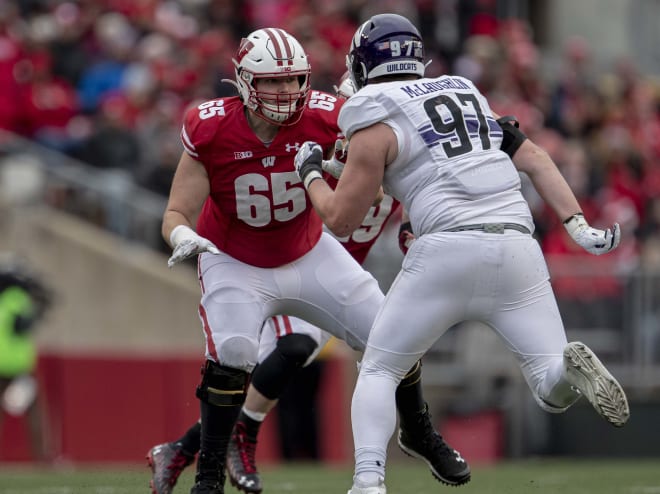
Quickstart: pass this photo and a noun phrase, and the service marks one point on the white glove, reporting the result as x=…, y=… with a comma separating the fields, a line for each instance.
x=335, y=165
x=187, y=243
x=346, y=89
x=592, y=240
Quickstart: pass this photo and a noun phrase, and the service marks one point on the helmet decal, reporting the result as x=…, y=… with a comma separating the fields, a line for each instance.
x=358, y=34
x=244, y=48
x=279, y=45
x=385, y=44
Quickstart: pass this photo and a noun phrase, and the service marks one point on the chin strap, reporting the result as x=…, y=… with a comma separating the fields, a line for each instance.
x=232, y=82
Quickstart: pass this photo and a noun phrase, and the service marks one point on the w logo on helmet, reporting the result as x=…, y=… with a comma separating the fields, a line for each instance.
x=244, y=48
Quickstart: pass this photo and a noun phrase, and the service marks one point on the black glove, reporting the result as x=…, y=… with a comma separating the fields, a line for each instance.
x=308, y=162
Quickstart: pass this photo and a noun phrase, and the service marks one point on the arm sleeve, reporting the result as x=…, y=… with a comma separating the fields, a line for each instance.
x=513, y=137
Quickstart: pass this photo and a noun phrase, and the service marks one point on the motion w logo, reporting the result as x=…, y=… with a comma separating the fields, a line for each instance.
x=268, y=161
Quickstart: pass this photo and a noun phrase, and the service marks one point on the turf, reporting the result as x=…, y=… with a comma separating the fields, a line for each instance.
x=528, y=477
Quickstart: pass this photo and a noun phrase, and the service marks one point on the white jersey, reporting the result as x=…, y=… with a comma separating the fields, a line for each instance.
x=450, y=170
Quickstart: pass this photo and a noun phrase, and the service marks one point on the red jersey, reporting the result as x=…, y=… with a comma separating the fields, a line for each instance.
x=257, y=211
x=360, y=242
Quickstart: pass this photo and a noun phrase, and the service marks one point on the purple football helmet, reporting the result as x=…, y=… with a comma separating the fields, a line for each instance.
x=385, y=44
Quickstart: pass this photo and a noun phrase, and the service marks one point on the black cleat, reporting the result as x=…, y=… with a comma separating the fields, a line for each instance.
x=202, y=487
x=167, y=461
x=420, y=440
x=210, y=477
x=241, y=465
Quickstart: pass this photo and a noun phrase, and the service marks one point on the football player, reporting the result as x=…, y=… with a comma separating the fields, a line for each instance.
x=261, y=247
x=286, y=345
x=435, y=145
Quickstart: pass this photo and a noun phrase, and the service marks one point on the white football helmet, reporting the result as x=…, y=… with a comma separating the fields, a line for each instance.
x=266, y=53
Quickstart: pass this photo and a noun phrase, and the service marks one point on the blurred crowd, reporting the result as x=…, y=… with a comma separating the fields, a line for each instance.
x=107, y=81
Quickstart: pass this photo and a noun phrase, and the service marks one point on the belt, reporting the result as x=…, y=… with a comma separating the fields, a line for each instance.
x=490, y=228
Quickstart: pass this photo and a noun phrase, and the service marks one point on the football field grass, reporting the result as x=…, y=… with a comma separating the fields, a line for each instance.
x=540, y=476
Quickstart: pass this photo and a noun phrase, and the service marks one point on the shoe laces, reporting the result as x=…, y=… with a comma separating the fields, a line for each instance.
x=430, y=438
x=438, y=445
x=246, y=449
x=202, y=487
x=209, y=471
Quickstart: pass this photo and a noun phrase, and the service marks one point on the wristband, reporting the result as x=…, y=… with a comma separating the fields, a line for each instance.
x=310, y=177
x=572, y=217
x=180, y=233
x=576, y=224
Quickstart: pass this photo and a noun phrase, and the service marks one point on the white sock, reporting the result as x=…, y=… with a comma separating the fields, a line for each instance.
x=256, y=416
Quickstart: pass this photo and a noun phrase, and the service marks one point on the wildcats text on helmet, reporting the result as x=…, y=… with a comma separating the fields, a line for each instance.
x=400, y=66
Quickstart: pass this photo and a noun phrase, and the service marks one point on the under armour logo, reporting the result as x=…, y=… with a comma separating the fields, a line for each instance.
x=268, y=161
x=459, y=457
x=245, y=482
x=292, y=147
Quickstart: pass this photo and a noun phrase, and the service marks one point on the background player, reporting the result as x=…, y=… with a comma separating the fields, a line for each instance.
x=24, y=301
x=435, y=145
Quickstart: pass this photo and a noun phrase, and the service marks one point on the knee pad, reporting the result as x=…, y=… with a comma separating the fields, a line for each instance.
x=222, y=386
x=276, y=370
x=296, y=348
